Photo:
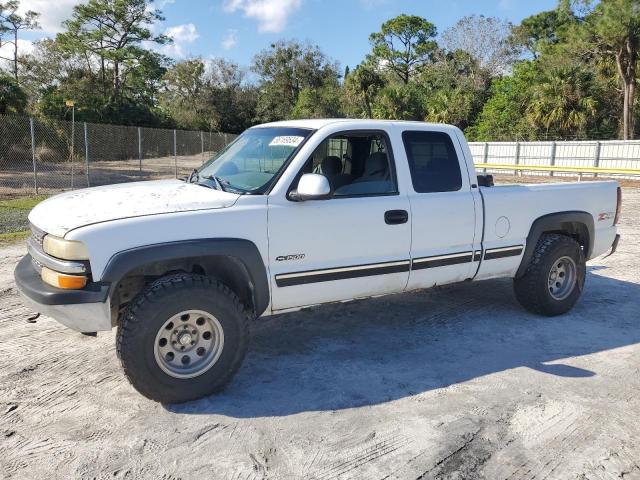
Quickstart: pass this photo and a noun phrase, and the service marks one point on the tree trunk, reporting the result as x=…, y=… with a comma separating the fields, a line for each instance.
x=367, y=104
x=627, y=75
x=632, y=98
x=116, y=79
x=15, y=54
x=625, y=113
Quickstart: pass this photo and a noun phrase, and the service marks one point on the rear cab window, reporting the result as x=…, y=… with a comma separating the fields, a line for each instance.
x=433, y=162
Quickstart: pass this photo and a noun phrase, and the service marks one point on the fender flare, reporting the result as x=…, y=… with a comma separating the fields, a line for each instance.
x=558, y=222
x=244, y=251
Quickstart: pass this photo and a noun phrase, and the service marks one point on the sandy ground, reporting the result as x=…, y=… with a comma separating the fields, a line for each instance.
x=457, y=382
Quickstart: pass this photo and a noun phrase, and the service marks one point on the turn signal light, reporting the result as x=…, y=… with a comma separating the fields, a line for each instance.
x=618, y=206
x=62, y=280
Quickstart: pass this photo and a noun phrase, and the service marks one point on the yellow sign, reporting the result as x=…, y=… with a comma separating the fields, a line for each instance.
x=69, y=103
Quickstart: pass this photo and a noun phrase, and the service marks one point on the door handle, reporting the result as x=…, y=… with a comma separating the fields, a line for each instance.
x=396, y=217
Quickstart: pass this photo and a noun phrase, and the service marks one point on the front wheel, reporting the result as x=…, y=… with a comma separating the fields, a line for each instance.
x=555, y=277
x=182, y=338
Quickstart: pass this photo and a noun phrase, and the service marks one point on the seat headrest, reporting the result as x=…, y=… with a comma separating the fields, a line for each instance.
x=376, y=164
x=331, y=166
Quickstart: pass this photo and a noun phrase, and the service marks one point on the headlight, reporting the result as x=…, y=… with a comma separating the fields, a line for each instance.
x=65, y=249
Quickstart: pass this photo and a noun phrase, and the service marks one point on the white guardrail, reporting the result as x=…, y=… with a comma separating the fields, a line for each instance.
x=562, y=158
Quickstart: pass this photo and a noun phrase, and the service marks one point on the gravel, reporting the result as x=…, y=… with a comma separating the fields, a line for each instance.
x=455, y=382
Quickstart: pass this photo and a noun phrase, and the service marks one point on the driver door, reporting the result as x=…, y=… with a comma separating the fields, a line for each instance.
x=355, y=244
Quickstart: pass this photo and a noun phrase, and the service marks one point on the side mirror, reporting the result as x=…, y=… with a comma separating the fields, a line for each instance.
x=312, y=186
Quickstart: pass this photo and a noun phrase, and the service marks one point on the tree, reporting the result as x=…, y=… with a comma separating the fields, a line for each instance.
x=361, y=87
x=208, y=96
x=562, y=103
x=112, y=32
x=182, y=95
x=537, y=32
x=12, y=98
x=404, y=45
x=11, y=23
x=486, y=39
x=503, y=116
x=285, y=69
x=614, y=26
x=400, y=102
x=323, y=102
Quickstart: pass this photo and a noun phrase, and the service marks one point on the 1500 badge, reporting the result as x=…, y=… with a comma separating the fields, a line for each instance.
x=288, y=258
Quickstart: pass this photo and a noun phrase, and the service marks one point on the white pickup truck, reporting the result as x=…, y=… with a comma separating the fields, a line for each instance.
x=293, y=214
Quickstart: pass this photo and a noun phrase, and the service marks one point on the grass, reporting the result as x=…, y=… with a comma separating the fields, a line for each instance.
x=14, y=225
x=13, y=237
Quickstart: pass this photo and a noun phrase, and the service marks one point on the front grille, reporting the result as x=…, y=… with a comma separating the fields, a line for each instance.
x=37, y=234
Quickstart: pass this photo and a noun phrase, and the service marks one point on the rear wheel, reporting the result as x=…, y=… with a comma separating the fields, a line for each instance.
x=555, y=277
x=182, y=338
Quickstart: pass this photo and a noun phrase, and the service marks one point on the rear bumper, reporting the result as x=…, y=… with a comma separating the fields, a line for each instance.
x=86, y=310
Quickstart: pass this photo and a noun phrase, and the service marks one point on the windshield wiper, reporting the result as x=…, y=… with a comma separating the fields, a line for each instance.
x=218, y=181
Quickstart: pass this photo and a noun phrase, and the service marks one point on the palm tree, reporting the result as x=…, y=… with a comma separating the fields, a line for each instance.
x=562, y=104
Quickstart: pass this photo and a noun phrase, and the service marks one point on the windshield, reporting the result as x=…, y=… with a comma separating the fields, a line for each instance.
x=250, y=163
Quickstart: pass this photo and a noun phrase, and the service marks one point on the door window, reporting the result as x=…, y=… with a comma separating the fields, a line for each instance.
x=433, y=162
x=355, y=164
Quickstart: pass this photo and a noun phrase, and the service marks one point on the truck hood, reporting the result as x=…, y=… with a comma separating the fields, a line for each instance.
x=62, y=213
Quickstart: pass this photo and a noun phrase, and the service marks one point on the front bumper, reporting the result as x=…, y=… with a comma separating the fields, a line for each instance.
x=86, y=310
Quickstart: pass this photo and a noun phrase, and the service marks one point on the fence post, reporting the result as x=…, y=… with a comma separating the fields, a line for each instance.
x=553, y=156
x=485, y=156
x=86, y=151
x=202, y=145
x=140, y=149
x=175, y=151
x=33, y=156
x=596, y=157
x=515, y=172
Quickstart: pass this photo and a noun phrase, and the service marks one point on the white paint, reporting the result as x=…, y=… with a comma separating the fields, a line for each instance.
x=332, y=234
x=67, y=211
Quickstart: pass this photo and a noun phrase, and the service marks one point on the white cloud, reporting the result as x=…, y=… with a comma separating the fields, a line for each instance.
x=230, y=40
x=272, y=15
x=52, y=13
x=182, y=35
x=6, y=52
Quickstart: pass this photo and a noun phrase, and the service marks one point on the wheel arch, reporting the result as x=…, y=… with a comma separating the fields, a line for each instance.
x=575, y=224
x=234, y=262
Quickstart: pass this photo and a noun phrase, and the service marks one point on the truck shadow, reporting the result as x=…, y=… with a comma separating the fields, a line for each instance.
x=375, y=351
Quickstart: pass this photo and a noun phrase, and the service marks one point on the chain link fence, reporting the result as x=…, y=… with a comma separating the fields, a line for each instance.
x=41, y=157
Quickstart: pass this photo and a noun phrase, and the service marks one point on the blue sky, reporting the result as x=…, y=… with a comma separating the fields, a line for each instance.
x=238, y=29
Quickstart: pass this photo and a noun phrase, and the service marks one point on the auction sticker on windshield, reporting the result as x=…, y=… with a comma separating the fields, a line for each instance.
x=286, y=141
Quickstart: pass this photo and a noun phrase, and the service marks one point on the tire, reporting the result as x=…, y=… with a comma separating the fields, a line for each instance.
x=191, y=305
x=545, y=288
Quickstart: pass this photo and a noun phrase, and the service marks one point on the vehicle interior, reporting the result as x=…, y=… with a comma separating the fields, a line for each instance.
x=354, y=164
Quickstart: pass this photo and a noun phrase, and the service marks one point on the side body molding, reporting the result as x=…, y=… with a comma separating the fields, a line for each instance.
x=243, y=251
x=576, y=223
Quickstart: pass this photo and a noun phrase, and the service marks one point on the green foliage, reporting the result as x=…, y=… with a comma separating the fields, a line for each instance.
x=360, y=90
x=503, y=115
x=285, y=70
x=322, y=102
x=564, y=73
x=562, y=103
x=11, y=23
x=400, y=102
x=404, y=45
x=614, y=35
x=12, y=98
